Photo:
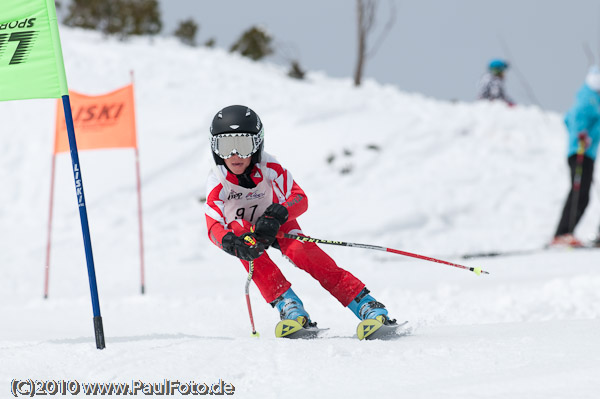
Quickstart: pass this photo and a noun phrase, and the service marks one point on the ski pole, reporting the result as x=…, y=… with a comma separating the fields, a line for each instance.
x=521, y=77
x=476, y=270
x=577, y=182
x=250, y=272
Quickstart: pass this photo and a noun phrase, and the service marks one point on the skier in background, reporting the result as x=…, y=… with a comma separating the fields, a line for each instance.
x=491, y=84
x=583, y=127
x=250, y=198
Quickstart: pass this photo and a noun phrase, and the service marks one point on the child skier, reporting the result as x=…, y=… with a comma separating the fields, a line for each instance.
x=250, y=198
x=491, y=84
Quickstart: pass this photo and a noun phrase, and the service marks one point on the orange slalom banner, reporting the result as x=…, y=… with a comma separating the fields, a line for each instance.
x=104, y=121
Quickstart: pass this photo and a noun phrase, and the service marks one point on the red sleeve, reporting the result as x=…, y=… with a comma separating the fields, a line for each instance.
x=215, y=219
x=296, y=203
x=287, y=192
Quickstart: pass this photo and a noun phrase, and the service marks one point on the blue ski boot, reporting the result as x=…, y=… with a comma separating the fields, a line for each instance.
x=291, y=308
x=364, y=306
x=375, y=323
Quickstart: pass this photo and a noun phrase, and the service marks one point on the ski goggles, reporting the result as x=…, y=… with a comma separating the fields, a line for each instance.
x=242, y=144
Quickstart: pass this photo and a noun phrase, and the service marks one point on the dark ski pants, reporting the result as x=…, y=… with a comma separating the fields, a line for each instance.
x=582, y=196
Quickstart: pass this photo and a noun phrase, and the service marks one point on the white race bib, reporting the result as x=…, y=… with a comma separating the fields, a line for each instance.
x=245, y=203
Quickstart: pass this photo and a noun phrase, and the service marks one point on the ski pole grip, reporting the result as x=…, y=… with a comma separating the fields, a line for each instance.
x=582, y=138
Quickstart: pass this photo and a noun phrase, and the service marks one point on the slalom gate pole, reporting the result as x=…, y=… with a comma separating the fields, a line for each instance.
x=140, y=218
x=577, y=183
x=139, y=199
x=85, y=229
x=476, y=270
x=49, y=243
x=250, y=273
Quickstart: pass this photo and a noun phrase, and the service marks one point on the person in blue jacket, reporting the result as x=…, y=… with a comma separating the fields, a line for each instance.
x=583, y=126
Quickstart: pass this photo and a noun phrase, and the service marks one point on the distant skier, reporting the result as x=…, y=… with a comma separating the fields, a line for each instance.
x=250, y=198
x=491, y=84
x=583, y=126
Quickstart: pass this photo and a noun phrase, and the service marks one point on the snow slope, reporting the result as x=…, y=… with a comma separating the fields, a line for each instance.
x=380, y=166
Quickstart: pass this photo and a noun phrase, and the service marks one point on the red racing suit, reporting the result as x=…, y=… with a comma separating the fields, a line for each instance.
x=231, y=207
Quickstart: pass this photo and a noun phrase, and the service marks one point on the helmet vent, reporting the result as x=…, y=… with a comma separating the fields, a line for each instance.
x=234, y=127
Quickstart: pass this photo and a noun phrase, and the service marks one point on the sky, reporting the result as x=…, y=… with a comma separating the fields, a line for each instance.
x=437, y=48
x=431, y=177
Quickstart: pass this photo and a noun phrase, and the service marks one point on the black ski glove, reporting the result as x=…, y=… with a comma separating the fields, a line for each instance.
x=245, y=247
x=268, y=224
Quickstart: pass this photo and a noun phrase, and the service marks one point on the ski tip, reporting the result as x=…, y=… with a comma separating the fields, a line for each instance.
x=369, y=330
x=287, y=327
x=367, y=327
x=292, y=329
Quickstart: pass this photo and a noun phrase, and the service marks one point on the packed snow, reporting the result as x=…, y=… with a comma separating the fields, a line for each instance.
x=380, y=166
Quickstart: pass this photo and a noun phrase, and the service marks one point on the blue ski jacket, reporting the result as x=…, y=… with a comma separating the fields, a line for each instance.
x=584, y=116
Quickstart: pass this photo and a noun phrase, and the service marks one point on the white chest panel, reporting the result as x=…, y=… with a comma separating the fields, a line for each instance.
x=245, y=203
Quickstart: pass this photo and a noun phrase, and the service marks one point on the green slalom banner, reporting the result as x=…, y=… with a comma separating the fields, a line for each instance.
x=31, y=62
x=31, y=66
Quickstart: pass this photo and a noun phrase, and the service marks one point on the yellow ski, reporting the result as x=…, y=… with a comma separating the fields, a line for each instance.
x=371, y=329
x=286, y=328
x=293, y=329
x=368, y=327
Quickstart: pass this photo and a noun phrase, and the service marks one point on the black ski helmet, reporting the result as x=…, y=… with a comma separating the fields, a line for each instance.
x=237, y=119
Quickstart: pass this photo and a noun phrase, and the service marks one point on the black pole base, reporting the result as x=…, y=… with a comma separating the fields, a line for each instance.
x=99, y=331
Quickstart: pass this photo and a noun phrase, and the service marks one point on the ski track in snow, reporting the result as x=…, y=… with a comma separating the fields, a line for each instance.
x=404, y=171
